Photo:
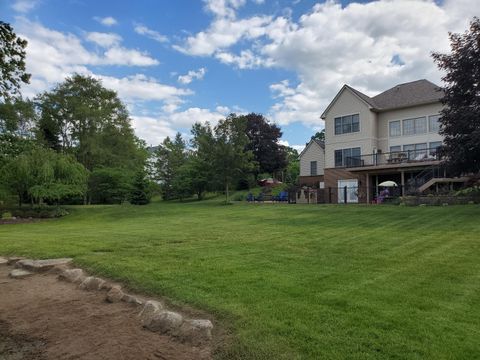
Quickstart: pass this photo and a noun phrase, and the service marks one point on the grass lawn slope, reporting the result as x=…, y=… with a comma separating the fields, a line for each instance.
x=291, y=281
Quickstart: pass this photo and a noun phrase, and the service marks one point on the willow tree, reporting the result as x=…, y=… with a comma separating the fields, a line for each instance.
x=43, y=175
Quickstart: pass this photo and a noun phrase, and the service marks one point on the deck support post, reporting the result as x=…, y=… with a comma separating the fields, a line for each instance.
x=402, y=175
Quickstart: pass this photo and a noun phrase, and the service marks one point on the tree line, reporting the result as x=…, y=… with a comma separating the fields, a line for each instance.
x=75, y=144
x=232, y=154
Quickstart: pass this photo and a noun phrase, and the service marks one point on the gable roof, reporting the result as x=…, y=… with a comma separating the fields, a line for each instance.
x=408, y=94
x=403, y=95
x=318, y=142
x=364, y=98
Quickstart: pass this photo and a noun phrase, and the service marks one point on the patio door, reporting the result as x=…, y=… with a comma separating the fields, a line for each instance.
x=352, y=191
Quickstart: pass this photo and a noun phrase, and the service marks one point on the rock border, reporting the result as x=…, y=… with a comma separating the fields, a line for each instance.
x=153, y=316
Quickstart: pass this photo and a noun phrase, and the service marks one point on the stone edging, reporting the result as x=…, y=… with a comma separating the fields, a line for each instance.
x=154, y=316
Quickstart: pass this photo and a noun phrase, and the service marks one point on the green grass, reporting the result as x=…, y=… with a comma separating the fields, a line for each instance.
x=291, y=281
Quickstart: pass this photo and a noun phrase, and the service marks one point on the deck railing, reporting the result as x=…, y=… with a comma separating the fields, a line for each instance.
x=393, y=158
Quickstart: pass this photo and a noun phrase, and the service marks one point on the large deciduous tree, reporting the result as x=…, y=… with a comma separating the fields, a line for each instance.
x=263, y=143
x=82, y=118
x=231, y=158
x=12, y=63
x=460, y=118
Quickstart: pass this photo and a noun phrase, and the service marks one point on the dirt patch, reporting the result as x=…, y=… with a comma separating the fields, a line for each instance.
x=43, y=318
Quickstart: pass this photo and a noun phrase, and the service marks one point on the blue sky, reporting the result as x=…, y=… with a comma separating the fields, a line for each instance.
x=177, y=62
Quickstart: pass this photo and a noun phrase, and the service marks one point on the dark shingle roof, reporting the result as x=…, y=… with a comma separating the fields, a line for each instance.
x=408, y=94
x=320, y=143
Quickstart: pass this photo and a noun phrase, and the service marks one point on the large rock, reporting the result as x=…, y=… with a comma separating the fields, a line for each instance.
x=92, y=283
x=72, y=275
x=150, y=308
x=196, y=331
x=14, y=259
x=41, y=265
x=19, y=273
x=165, y=322
x=130, y=299
x=115, y=294
x=3, y=261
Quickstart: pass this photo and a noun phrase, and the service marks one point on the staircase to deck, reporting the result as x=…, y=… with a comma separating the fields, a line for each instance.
x=430, y=176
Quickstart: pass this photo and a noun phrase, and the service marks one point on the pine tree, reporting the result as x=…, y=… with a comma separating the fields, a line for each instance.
x=140, y=193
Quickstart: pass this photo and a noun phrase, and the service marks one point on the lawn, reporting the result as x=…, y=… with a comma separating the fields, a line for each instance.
x=291, y=281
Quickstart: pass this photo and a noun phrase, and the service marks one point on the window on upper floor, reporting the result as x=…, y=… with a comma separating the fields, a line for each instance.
x=395, y=128
x=414, y=126
x=433, y=123
x=313, y=168
x=347, y=157
x=416, y=151
x=347, y=124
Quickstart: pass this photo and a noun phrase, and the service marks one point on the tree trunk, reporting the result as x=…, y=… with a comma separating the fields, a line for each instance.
x=226, y=192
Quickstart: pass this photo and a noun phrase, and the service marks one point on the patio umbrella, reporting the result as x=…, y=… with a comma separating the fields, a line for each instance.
x=388, y=183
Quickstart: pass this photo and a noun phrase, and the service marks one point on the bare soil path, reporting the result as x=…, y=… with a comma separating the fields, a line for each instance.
x=42, y=318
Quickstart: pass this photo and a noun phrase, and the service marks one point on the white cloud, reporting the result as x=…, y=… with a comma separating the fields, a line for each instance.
x=223, y=8
x=222, y=34
x=371, y=46
x=24, y=6
x=152, y=34
x=104, y=39
x=154, y=129
x=122, y=56
x=192, y=75
x=299, y=148
x=107, y=21
x=141, y=87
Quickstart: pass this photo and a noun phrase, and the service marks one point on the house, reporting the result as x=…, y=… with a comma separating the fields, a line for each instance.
x=312, y=164
x=392, y=136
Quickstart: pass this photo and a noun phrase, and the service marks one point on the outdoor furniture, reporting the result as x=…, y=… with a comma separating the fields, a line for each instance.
x=250, y=197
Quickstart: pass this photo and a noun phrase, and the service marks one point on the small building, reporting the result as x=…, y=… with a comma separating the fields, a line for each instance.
x=312, y=165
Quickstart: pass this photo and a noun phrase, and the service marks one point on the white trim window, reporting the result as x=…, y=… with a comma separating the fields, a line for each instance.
x=415, y=126
x=347, y=124
x=347, y=157
x=313, y=168
x=395, y=128
x=434, y=123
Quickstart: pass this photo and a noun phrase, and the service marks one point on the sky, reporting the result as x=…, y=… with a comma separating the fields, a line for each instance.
x=178, y=62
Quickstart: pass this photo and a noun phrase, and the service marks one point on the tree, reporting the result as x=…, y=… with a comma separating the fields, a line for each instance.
x=319, y=135
x=140, y=192
x=170, y=156
x=263, y=143
x=460, y=117
x=44, y=175
x=293, y=168
x=12, y=62
x=231, y=159
x=109, y=185
x=17, y=118
x=200, y=167
x=82, y=118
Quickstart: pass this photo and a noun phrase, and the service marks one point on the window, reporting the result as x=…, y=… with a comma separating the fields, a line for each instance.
x=313, y=168
x=433, y=148
x=347, y=124
x=415, y=126
x=395, y=148
x=395, y=128
x=420, y=125
x=433, y=123
x=348, y=157
x=416, y=151
x=409, y=127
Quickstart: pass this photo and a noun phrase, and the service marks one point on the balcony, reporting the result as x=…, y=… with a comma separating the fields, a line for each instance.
x=393, y=159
